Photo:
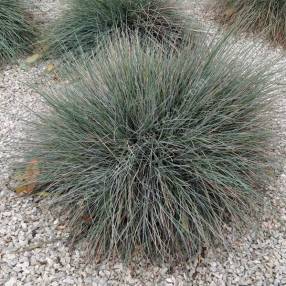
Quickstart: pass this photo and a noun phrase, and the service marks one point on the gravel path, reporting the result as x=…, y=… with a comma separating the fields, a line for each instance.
x=33, y=246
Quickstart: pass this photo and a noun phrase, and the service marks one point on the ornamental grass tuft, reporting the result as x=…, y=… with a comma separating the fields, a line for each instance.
x=86, y=22
x=16, y=30
x=267, y=17
x=154, y=152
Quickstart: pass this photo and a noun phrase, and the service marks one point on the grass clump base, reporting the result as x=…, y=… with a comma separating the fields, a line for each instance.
x=265, y=17
x=151, y=151
x=87, y=22
x=16, y=32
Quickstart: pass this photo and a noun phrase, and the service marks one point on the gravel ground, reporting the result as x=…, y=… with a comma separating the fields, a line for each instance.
x=33, y=242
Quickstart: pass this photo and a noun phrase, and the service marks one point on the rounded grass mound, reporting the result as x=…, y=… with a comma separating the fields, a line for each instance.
x=155, y=152
x=16, y=32
x=86, y=22
x=267, y=17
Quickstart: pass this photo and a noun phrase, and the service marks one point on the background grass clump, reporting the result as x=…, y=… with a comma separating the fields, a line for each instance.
x=86, y=22
x=16, y=30
x=155, y=152
x=267, y=17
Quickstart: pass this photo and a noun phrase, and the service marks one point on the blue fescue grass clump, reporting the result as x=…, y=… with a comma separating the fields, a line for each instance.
x=267, y=17
x=16, y=32
x=155, y=152
x=86, y=22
